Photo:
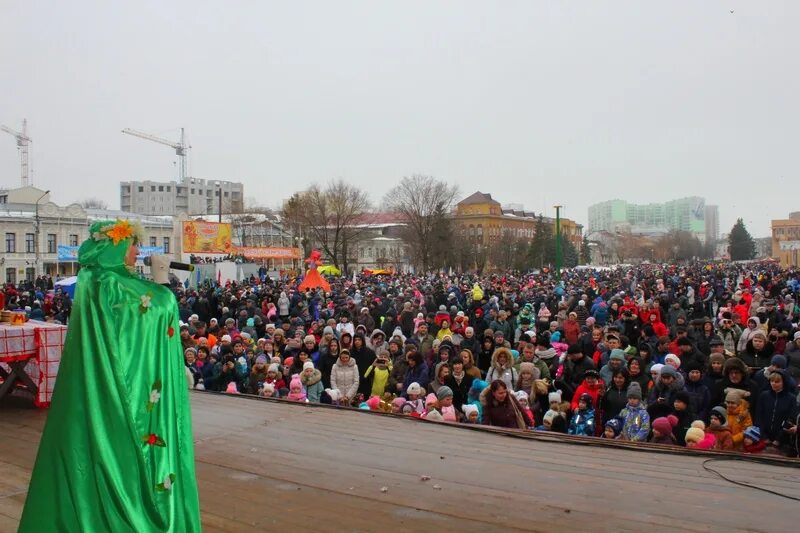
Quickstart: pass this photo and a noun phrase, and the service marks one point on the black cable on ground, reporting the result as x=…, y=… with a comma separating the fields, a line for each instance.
x=742, y=483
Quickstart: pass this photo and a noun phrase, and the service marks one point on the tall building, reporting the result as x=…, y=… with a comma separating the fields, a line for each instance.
x=712, y=223
x=786, y=240
x=684, y=214
x=191, y=197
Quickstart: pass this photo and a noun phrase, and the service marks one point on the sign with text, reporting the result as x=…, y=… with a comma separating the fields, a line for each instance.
x=206, y=237
x=70, y=253
x=271, y=252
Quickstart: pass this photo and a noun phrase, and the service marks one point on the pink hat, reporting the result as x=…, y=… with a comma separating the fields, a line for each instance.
x=374, y=403
x=430, y=399
x=232, y=388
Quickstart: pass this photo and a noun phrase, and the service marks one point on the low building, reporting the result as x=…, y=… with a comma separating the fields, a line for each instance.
x=35, y=230
x=786, y=240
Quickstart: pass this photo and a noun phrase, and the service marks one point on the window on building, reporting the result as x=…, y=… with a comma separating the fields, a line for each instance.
x=11, y=275
x=361, y=253
x=141, y=188
x=11, y=243
x=3, y=198
x=160, y=188
x=225, y=194
x=73, y=239
x=216, y=193
x=153, y=241
x=30, y=274
x=152, y=188
x=52, y=242
x=192, y=191
x=166, y=245
x=30, y=243
x=169, y=188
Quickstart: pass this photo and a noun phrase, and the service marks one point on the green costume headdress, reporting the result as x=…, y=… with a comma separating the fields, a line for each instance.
x=108, y=243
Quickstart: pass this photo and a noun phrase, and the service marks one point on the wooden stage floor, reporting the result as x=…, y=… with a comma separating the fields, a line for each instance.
x=277, y=467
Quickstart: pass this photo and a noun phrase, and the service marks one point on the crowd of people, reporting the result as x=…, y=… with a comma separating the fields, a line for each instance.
x=700, y=355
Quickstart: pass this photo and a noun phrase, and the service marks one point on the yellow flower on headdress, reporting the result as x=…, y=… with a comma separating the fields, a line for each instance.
x=120, y=231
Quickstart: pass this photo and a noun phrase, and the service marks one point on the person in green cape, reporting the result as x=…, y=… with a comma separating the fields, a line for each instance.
x=117, y=453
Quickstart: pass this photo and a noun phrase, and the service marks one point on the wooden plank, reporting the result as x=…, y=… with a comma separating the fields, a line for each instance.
x=275, y=465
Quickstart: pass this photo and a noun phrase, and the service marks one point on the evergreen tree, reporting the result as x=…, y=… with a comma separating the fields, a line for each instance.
x=586, y=252
x=569, y=254
x=741, y=245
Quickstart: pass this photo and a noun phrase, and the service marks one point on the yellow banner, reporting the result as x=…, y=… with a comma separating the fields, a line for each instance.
x=206, y=237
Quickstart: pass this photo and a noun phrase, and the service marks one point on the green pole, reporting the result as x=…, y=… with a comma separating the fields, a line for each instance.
x=558, y=239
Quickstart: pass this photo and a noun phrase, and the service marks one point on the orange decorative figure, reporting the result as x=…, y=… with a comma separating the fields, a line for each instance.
x=313, y=279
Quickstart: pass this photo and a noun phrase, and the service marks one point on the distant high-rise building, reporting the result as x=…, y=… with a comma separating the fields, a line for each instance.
x=191, y=197
x=712, y=223
x=685, y=214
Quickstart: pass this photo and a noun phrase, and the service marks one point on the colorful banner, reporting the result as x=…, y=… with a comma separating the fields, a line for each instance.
x=70, y=253
x=206, y=237
x=253, y=252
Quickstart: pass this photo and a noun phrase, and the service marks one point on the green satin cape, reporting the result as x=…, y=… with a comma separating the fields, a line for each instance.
x=117, y=452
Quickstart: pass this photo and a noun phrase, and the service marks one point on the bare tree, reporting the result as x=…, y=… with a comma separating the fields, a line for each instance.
x=424, y=202
x=334, y=218
x=93, y=203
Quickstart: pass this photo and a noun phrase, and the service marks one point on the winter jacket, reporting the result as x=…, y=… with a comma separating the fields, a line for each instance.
x=502, y=414
x=582, y=423
x=595, y=392
x=418, y=374
x=344, y=378
x=614, y=401
x=313, y=385
x=700, y=398
x=460, y=388
x=636, y=423
x=723, y=436
x=506, y=373
x=773, y=410
x=738, y=422
x=756, y=359
x=685, y=419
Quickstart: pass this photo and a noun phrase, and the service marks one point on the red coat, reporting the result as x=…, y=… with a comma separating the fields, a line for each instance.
x=572, y=331
x=595, y=392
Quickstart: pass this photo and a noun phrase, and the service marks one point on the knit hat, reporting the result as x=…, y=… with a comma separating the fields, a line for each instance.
x=398, y=402
x=430, y=400
x=414, y=388
x=522, y=395
x=469, y=408
x=735, y=395
x=617, y=355
x=778, y=360
x=309, y=338
x=261, y=360
x=668, y=370
x=635, y=390
x=695, y=435
x=665, y=424
x=444, y=392
x=699, y=424
x=307, y=365
x=550, y=415
x=682, y=396
x=554, y=397
x=374, y=403
x=232, y=388
x=615, y=424
x=720, y=413
x=478, y=385
x=225, y=338
x=753, y=433
x=274, y=368
x=327, y=330
x=672, y=360
x=290, y=360
x=657, y=367
x=716, y=341
x=587, y=398
x=529, y=367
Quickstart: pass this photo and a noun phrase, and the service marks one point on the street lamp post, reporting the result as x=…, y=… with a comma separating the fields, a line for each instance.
x=558, y=238
x=36, y=231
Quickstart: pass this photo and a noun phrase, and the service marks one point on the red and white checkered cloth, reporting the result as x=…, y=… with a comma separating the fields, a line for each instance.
x=39, y=342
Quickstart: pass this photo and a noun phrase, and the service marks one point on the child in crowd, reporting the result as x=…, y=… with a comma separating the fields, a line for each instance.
x=296, y=393
x=718, y=420
x=470, y=414
x=636, y=424
x=582, y=422
x=681, y=409
x=739, y=418
x=524, y=401
x=612, y=429
x=444, y=397
x=547, y=420
x=417, y=404
x=662, y=430
x=312, y=381
x=752, y=441
x=697, y=437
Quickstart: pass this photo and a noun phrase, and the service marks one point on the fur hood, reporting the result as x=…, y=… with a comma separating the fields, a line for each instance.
x=315, y=378
x=509, y=357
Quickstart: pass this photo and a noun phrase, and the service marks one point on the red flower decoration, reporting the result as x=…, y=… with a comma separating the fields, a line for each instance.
x=171, y=331
x=151, y=439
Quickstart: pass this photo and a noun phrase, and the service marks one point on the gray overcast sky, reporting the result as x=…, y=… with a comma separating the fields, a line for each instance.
x=536, y=102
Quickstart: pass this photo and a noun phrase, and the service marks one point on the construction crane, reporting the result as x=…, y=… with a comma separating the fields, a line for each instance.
x=22, y=145
x=179, y=147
